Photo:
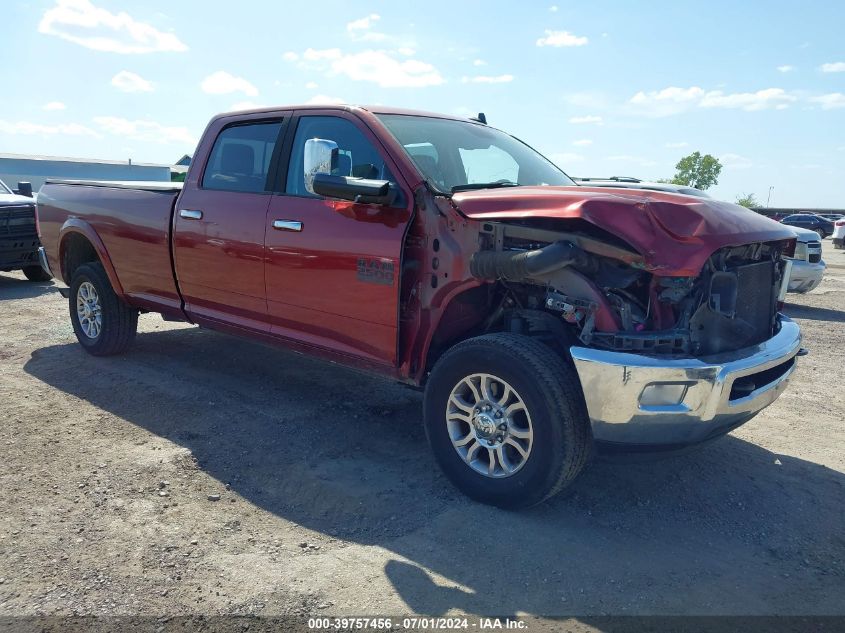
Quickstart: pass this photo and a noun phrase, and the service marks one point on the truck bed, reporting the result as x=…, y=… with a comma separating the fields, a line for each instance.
x=131, y=221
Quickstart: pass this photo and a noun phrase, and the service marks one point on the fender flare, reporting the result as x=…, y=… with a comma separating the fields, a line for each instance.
x=83, y=228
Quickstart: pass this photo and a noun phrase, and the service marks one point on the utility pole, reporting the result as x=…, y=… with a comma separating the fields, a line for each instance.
x=769, y=199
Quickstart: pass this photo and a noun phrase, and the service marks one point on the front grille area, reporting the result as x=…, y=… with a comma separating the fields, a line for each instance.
x=739, y=307
x=755, y=299
x=17, y=220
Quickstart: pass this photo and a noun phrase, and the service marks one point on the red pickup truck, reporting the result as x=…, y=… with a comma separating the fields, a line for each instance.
x=544, y=319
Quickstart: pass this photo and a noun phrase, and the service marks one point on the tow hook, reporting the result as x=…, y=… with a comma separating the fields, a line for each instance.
x=803, y=352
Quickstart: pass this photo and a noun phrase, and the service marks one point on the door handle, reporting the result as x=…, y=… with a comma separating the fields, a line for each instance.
x=190, y=214
x=287, y=225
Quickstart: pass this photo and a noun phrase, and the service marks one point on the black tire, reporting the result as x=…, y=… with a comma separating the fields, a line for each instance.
x=36, y=273
x=119, y=321
x=551, y=392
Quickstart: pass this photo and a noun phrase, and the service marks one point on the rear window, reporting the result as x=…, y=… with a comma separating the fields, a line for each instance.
x=240, y=158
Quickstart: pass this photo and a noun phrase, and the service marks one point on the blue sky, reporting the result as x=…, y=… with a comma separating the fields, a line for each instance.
x=603, y=88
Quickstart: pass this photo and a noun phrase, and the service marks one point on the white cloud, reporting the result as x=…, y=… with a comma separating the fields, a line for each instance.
x=677, y=145
x=776, y=98
x=406, y=51
x=311, y=85
x=130, y=82
x=80, y=22
x=374, y=65
x=54, y=105
x=145, y=130
x=553, y=8
x=479, y=62
x=561, y=38
x=668, y=101
x=363, y=24
x=786, y=68
x=674, y=100
x=324, y=100
x=28, y=128
x=290, y=56
x=735, y=161
x=833, y=67
x=590, y=118
x=221, y=83
x=487, y=79
x=584, y=142
x=379, y=67
x=830, y=101
x=360, y=29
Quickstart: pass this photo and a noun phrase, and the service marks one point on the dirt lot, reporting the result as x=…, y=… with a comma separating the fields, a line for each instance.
x=330, y=503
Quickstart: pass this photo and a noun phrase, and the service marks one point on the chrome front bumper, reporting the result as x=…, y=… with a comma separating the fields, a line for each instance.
x=673, y=402
x=42, y=259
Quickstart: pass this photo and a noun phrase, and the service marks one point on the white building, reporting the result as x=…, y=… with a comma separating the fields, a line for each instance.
x=15, y=168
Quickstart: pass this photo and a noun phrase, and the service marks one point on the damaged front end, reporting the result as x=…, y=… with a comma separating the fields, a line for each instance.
x=606, y=297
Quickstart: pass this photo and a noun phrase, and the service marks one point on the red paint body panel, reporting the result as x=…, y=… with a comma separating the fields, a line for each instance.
x=128, y=227
x=675, y=233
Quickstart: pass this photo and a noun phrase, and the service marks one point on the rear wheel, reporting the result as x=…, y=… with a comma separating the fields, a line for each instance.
x=103, y=323
x=820, y=233
x=36, y=273
x=506, y=419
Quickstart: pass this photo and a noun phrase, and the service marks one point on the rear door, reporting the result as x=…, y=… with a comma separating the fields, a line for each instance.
x=219, y=227
x=332, y=265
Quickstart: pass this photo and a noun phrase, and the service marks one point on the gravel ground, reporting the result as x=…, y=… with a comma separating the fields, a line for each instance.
x=203, y=474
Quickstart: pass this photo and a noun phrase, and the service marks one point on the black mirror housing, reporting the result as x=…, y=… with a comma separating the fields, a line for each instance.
x=24, y=189
x=362, y=190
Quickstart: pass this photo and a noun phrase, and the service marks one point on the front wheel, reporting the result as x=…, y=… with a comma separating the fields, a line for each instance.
x=103, y=323
x=506, y=419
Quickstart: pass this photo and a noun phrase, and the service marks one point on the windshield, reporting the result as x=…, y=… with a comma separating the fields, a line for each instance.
x=4, y=188
x=458, y=155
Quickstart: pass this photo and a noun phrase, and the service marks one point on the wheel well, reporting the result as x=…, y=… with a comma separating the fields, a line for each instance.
x=76, y=251
x=481, y=311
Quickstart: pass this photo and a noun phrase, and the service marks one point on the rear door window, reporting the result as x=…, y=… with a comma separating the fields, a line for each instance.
x=241, y=156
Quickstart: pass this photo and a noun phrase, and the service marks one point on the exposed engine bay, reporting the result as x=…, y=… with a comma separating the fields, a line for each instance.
x=592, y=288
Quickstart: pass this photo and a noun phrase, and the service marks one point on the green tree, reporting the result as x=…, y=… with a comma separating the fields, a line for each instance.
x=747, y=200
x=695, y=170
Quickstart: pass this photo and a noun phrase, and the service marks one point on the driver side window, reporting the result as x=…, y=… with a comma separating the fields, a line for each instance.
x=356, y=155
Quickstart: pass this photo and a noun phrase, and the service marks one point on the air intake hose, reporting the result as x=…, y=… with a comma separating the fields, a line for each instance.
x=516, y=266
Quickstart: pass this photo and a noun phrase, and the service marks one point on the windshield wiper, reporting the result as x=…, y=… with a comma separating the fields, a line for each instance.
x=485, y=185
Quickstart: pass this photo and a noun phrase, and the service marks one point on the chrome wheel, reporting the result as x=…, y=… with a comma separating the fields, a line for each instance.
x=489, y=425
x=88, y=310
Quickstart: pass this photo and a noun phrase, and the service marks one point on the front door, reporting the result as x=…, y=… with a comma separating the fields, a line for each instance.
x=332, y=265
x=219, y=229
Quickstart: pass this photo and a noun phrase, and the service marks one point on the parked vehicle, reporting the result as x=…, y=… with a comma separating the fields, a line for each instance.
x=833, y=217
x=807, y=267
x=626, y=182
x=19, y=233
x=543, y=319
x=838, y=237
x=809, y=221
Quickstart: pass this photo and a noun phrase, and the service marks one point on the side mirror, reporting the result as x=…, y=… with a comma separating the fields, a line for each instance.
x=320, y=156
x=24, y=189
x=363, y=190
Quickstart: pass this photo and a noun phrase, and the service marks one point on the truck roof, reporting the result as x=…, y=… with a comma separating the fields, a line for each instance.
x=373, y=109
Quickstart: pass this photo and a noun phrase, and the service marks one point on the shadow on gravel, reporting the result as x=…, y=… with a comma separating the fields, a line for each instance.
x=14, y=288
x=732, y=528
x=817, y=314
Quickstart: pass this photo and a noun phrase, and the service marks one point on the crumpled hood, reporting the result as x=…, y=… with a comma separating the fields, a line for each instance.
x=674, y=233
